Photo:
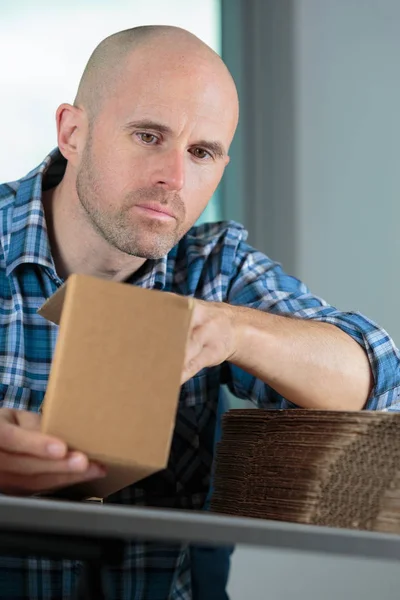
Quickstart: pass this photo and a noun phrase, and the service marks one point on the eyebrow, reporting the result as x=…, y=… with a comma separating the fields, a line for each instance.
x=214, y=147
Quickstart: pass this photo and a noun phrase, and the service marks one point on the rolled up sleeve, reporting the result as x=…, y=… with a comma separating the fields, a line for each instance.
x=258, y=282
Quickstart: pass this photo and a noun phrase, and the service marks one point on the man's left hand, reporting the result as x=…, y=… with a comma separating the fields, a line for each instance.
x=211, y=339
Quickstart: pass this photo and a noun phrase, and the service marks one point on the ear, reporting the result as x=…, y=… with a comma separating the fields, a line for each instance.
x=71, y=131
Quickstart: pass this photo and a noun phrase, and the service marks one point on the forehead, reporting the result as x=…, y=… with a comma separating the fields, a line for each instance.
x=184, y=100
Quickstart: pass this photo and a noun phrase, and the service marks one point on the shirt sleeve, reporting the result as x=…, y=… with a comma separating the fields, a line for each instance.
x=258, y=282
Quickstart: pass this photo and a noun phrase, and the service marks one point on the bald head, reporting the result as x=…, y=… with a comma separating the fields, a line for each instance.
x=146, y=44
x=148, y=139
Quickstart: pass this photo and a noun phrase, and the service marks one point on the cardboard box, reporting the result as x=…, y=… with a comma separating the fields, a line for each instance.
x=115, y=377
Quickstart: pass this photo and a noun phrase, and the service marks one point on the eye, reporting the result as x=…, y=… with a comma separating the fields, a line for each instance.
x=147, y=138
x=200, y=153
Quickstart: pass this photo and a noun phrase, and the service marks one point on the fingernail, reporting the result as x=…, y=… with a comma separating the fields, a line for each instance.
x=77, y=462
x=56, y=450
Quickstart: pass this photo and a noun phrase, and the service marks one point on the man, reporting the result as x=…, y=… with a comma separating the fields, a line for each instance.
x=139, y=155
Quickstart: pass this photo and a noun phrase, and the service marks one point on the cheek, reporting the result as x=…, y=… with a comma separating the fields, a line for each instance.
x=202, y=184
x=112, y=160
x=199, y=190
x=117, y=172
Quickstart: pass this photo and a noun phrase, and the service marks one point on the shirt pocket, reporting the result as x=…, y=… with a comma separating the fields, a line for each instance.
x=20, y=398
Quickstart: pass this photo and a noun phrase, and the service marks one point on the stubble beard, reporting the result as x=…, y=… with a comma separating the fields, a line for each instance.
x=141, y=237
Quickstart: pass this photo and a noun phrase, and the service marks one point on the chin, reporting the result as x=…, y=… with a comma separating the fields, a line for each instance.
x=148, y=252
x=145, y=244
x=149, y=255
x=155, y=248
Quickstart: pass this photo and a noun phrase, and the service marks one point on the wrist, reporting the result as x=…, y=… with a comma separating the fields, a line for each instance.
x=240, y=324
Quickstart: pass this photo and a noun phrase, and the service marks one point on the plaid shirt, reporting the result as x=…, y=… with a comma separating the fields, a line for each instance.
x=212, y=262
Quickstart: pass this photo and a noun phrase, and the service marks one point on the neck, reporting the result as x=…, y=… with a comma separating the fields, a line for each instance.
x=75, y=244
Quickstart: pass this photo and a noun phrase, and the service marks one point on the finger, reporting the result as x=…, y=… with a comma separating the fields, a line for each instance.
x=193, y=367
x=24, y=485
x=198, y=352
x=15, y=439
x=75, y=462
x=52, y=482
x=194, y=344
x=27, y=420
x=207, y=355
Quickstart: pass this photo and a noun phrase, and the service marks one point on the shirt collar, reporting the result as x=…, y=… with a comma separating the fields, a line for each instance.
x=152, y=275
x=29, y=242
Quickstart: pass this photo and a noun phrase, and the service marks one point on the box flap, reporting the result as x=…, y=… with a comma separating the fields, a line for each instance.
x=52, y=308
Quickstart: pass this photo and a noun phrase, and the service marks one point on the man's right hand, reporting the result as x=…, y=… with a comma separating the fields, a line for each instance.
x=32, y=462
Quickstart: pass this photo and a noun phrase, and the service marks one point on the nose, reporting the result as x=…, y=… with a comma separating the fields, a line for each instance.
x=170, y=170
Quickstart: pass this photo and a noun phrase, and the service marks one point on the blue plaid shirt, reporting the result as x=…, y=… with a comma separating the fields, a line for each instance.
x=212, y=262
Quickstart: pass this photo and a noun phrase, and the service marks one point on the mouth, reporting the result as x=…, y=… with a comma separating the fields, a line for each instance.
x=155, y=211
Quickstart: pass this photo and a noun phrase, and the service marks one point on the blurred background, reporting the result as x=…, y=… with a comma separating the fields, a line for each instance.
x=314, y=172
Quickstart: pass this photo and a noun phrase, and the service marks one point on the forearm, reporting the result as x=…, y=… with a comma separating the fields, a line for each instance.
x=312, y=364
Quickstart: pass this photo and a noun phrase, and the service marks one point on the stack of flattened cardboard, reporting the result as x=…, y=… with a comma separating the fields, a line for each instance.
x=115, y=378
x=339, y=469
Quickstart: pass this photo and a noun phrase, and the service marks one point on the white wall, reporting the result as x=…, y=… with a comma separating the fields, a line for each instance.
x=347, y=154
x=44, y=47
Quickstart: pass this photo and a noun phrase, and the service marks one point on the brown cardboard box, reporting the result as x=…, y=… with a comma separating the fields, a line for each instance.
x=115, y=378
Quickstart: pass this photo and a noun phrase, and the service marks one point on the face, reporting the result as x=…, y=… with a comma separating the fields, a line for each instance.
x=155, y=154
